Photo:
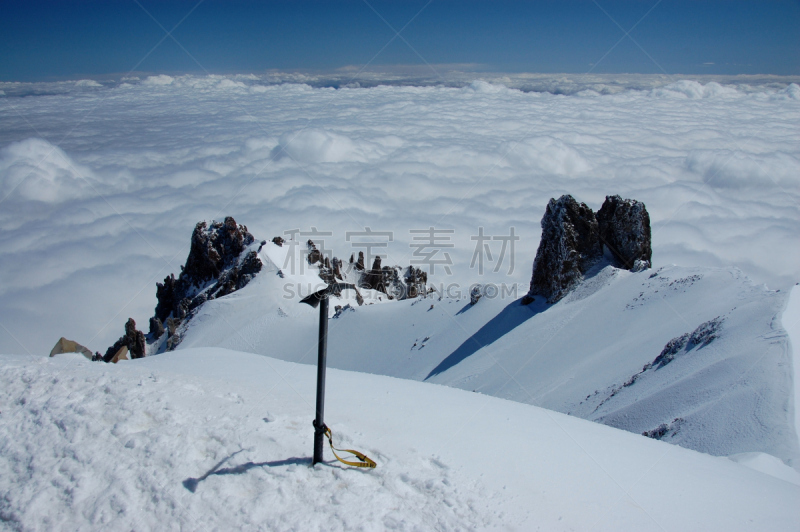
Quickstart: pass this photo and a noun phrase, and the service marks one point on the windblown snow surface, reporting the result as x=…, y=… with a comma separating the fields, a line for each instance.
x=211, y=439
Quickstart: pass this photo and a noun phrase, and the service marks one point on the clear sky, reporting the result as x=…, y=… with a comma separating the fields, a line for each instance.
x=42, y=40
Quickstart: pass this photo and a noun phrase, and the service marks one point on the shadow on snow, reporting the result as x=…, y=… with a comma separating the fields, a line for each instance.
x=192, y=483
x=509, y=318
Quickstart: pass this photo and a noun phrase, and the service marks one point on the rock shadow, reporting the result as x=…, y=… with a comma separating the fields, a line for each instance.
x=507, y=320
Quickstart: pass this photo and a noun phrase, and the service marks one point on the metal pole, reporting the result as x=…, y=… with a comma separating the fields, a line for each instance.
x=322, y=353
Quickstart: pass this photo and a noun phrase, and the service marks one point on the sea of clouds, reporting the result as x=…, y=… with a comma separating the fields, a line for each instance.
x=101, y=183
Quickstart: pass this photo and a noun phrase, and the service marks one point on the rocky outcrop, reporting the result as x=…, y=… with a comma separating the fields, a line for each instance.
x=314, y=255
x=337, y=269
x=678, y=347
x=156, y=327
x=396, y=282
x=215, y=248
x=416, y=282
x=375, y=279
x=625, y=231
x=218, y=264
x=133, y=341
x=570, y=244
x=475, y=293
x=573, y=238
x=703, y=335
x=222, y=259
x=214, y=268
x=70, y=346
x=359, y=262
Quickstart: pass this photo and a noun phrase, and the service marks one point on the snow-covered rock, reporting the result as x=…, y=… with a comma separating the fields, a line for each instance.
x=221, y=260
x=394, y=281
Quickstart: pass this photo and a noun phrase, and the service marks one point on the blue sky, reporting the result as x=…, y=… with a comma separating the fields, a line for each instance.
x=67, y=39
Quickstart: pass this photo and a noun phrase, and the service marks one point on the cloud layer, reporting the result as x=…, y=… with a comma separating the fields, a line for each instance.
x=102, y=186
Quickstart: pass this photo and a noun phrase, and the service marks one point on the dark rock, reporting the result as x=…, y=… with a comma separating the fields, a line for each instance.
x=704, y=334
x=374, y=278
x=214, y=256
x=314, y=255
x=215, y=248
x=172, y=342
x=339, y=310
x=475, y=294
x=133, y=340
x=665, y=430
x=667, y=355
x=416, y=282
x=625, y=231
x=172, y=325
x=569, y=246
x=156, y=327
x=248, y=268
x=658, y=432
x=359, y=262
x=278, y=241
x=137, y=345
x=394, y=281
x=217, y=265
x=166, y=295
x=337, y=268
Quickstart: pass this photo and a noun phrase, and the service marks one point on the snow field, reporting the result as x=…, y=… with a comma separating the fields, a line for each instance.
x=214, y=439
x=728, y=397
x=127, y=448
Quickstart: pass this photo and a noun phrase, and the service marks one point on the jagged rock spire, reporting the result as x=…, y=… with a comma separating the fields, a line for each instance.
x=573, y=239
x=625, y=232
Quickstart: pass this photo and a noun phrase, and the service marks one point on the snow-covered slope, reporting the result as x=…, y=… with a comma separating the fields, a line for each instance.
x=724, y=388
x=219, y=440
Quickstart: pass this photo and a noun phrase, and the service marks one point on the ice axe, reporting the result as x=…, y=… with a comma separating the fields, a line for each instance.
x=314, y=300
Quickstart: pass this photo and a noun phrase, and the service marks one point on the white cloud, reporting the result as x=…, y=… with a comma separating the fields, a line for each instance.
x=547, y=155
x=318, y=146
x=35, y=170
x=87, y=83
x=694, y=90
x=161, y=79
x=737, y=169
x=392, y=158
